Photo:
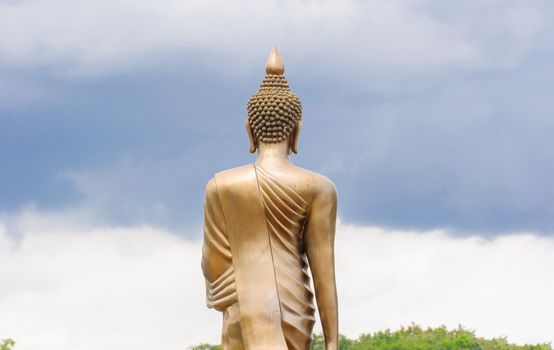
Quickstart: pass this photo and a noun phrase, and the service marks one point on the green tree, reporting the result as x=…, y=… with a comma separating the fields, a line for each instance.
x=415, y=337
x=206, y=347
x=7, y=344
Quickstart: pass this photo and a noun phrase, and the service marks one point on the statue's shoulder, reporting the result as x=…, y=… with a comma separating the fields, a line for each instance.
x=211, y=189
x=235, y=172
x=231, y=176
x=316, y=184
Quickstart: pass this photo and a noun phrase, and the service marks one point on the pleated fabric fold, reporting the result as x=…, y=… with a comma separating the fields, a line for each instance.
x=286, y=212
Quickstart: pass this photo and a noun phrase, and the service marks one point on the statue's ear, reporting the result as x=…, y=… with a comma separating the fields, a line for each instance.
x=251, y=137
x=294, y=138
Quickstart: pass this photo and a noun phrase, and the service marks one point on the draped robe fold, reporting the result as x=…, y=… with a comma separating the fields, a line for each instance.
x=254, y=261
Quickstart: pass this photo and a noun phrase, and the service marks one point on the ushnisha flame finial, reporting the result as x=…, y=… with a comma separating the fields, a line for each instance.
x=274, y=63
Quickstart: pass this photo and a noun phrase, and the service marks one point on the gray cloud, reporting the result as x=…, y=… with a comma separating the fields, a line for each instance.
x=84, y=38
x=425, y=115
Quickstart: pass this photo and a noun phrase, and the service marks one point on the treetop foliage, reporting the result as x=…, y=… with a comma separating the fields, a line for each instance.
x=6, y=344
x=415, y=337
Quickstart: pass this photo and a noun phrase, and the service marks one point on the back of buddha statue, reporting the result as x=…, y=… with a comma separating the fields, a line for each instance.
x=267, y=226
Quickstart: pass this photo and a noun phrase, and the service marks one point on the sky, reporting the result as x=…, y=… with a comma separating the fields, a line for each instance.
x=433, y=119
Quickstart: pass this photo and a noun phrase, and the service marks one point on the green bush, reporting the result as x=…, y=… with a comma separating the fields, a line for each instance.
x=206, y=347
x=416, y=338
x=6, y=344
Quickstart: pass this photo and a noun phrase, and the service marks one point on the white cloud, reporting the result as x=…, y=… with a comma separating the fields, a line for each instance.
x=498, y=287
x=89, y=36
x=67, y=285
x=102, y=288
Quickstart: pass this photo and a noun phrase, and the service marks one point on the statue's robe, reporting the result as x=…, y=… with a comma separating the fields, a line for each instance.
x=254, y=260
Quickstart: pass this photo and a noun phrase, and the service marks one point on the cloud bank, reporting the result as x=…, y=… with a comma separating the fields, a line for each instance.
x=71, y=286
x=89, y=37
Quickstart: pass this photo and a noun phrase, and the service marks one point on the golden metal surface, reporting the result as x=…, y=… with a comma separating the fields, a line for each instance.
x=274, y=63
x=267, y=227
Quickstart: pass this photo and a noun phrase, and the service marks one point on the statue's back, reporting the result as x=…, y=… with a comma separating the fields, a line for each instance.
x=265, y=214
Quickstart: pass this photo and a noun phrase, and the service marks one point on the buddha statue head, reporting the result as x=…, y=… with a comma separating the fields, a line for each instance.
x=274, y=112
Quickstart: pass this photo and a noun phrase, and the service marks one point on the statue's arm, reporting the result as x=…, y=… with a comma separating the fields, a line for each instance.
x=215, y=255
x=319, y=238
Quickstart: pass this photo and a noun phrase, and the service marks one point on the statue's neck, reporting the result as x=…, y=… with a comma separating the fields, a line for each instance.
x=273, y=154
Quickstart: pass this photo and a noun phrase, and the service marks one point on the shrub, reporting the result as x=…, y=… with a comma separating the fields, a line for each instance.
x=6, y=344
x=415, y=337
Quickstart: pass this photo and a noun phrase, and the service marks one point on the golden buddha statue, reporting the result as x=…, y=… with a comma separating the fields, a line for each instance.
x=265, y=224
